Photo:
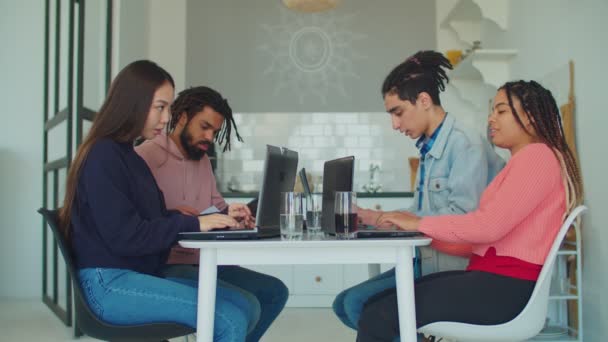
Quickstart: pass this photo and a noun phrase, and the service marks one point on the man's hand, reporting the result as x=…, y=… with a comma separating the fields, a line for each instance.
x=241, y=213
x=403, y=220
x=368, y=217
x=187, y=210
x=210, y=222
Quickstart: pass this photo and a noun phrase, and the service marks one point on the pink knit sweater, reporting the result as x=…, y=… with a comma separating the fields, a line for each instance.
x=519, y=213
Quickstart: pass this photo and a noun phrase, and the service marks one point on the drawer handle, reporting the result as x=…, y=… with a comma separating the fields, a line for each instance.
x=318, y=279
x=377, y=207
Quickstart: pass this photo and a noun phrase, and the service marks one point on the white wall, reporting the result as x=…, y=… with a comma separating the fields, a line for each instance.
x=547, y=34
x=21, y=67
x=168, y=39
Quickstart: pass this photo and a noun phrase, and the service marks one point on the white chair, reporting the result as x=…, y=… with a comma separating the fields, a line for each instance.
x=525, y=325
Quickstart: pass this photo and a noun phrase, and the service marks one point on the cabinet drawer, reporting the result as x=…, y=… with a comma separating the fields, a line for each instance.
x=317, y=279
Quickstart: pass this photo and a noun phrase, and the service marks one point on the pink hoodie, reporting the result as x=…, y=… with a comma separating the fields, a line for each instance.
x=182, y=181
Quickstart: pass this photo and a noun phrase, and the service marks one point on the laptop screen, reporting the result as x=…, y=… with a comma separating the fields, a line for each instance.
x=337, y=176
x=280, y=170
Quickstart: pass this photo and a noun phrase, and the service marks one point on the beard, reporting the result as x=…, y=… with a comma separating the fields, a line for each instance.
x=193, y=151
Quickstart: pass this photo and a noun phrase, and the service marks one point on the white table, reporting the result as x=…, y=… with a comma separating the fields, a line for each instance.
x=326, y=251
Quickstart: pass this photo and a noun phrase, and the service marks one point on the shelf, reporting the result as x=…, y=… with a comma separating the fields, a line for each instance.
x=563, y=297
x=466, y=16
x=488, y=65
x=496, y=11
x=564, y=337
x=477, y=77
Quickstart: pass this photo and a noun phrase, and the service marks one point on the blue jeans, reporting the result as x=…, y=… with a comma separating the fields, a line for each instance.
x=268, y=292
x=349, y=303
x=121, y=296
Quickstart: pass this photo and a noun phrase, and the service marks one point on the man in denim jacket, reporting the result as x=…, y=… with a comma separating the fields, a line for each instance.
x=456, y=164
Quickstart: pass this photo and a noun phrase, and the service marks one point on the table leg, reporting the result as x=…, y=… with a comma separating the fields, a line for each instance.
x=373, y=270
x=405, y=294
x=207, y=282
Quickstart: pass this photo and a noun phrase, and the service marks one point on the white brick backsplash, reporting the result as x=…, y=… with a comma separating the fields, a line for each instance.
x=345, y=118
x=351, y=142
x=311, y=130
x=340, y=130
x=375, y=130
x=359, y=153
x=309, y=153
x=318, y=137
x=246, y=154
x=320, y=118
x=317, y=166
x=253, y=165
x=358, y=130
x=366, y=142
x=245, y=131
x=321, y=142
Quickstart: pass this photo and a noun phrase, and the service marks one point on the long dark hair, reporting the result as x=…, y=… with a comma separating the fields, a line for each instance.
x=122, y=117
x=193, y=100
x=540, y=107
x=422, y=72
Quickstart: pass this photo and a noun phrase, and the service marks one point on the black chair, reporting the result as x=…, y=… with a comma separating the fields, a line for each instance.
x=88, y=323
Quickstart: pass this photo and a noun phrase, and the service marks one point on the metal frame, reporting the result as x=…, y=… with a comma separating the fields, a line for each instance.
x=73, y=113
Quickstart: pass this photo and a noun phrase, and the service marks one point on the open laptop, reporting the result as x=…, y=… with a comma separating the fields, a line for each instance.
x=371, y=232
x=337, y=176
x=279, y=176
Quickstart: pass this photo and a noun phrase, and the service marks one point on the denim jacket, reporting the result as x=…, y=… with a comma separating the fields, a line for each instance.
x=458, y=168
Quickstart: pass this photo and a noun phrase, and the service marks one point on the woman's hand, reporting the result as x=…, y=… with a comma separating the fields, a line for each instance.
x=403, y=220
x=187, y=210
x=241, y=213
x=209, y=222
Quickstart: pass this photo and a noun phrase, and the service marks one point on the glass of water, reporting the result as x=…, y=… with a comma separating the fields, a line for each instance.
x=292, y=216
x=314, y=209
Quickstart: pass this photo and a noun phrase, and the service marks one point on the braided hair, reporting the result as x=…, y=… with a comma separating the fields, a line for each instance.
x=422, y=72
x=540, y=107
x=193, y=100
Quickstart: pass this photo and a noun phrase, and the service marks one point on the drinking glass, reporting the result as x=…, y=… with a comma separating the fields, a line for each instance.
x=346, y=214
x=314, y=209
x=292, y=216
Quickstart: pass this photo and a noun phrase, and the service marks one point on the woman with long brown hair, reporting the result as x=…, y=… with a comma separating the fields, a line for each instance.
x=519, y=216
x=115, y=217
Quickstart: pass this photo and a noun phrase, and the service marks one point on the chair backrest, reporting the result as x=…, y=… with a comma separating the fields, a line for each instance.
x=530, y=320
x=87, y=321
x=85, y=316
x=535, y=312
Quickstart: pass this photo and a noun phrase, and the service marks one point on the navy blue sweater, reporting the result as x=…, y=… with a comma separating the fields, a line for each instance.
x=119, y=218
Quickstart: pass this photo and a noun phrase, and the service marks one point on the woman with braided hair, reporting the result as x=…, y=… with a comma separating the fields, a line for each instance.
x=121, y=231
x=511, y=233
x=456, y=164
x=182, y=169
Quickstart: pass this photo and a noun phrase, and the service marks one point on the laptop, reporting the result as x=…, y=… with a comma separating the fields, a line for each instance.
x=337, y=176
x=279, y=176
x=372, y=232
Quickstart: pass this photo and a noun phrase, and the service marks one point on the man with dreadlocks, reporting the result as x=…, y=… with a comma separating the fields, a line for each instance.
x=181, y=167
x=511, y=234
x=456, y=164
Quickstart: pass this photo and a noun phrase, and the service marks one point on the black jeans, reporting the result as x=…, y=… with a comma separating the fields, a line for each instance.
x=457, y=296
